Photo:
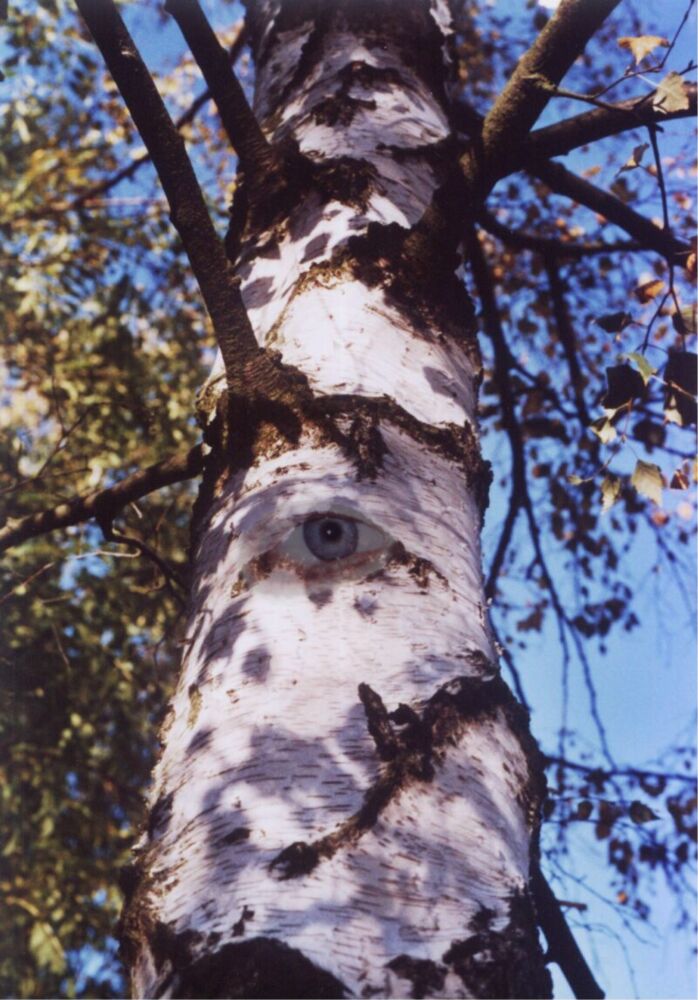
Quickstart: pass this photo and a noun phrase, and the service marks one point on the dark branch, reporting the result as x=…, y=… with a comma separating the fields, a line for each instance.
x=562, y=947
x=566, y=336
x=548, y=245
x=184, y=119
x=564, y=136
x=239, y=122
x=105, y=504
x=618, y=772
x=188, y=212
x=502, y=546
x=564, y=182
x=530, y=87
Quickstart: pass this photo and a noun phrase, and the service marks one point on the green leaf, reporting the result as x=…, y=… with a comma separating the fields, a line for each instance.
x=610, y=491
x=647, y=480
x=642, y=364
x=575, y=480
x=46, y=948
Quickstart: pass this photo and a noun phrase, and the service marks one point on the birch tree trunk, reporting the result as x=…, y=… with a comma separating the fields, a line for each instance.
x=348, y=796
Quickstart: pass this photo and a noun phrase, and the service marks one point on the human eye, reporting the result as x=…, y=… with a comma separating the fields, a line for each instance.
x=333, y=538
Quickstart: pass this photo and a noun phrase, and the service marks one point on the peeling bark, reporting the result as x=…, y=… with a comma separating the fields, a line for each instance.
x=348, y=796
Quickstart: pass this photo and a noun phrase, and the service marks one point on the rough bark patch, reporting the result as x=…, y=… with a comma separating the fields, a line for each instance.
x=410, y=754
x=261, y=968
x=506, y=963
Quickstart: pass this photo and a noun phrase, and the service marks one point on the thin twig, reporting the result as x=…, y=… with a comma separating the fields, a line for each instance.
x=563, y=181
x=548, y=245
x=618, y=772
x=566, y=336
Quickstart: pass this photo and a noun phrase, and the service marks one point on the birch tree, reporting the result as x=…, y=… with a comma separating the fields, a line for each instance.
x=348, y=797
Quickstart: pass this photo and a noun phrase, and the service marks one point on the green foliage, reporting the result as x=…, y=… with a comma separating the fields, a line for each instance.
x=103, y=341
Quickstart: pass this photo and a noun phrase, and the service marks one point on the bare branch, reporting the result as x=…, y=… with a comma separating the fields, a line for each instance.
x=529, y=89
x=566, y=336
x=105, y=503
x=213, y=271
x=239, y=122
x=619, y=772
x=564, y=136
x=547, y=245
x=564, y=182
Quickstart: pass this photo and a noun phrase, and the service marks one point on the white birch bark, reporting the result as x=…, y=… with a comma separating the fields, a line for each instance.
x=301, y=842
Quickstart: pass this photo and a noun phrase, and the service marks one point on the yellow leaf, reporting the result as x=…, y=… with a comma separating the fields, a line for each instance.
x=671, y=94
x=642, y=45
x=647, y=480
x=650, y=290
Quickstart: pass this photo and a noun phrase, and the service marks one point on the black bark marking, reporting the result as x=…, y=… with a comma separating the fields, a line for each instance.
x=297, y=859
x=418, y=568
x=320, y=598
x=415, y=751
x=507, y=963
x=379, y=725
x=236, y=836
x=424, y=974
x=260, y=969
x=160, y=815
x=202, y=738
x=239, y=925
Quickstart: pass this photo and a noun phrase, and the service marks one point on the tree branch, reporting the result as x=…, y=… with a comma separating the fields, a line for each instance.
x=562, y=947
x=566, y=336
x=239, y=122
x=530, y=87
x=547, y=245
x=213, y=271
x=564, y=136
x=563, y=181
x=618, y=772
x=104, y=504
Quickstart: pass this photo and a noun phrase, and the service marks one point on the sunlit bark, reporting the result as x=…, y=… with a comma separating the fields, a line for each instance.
x=347, y=798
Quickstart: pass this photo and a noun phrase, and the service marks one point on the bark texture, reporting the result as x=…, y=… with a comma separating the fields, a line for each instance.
x=348, y=796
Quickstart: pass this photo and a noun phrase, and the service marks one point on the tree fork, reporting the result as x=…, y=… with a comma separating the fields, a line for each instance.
x=213, y=271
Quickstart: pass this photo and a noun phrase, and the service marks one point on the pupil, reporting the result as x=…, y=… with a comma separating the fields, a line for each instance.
x=332, y=531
